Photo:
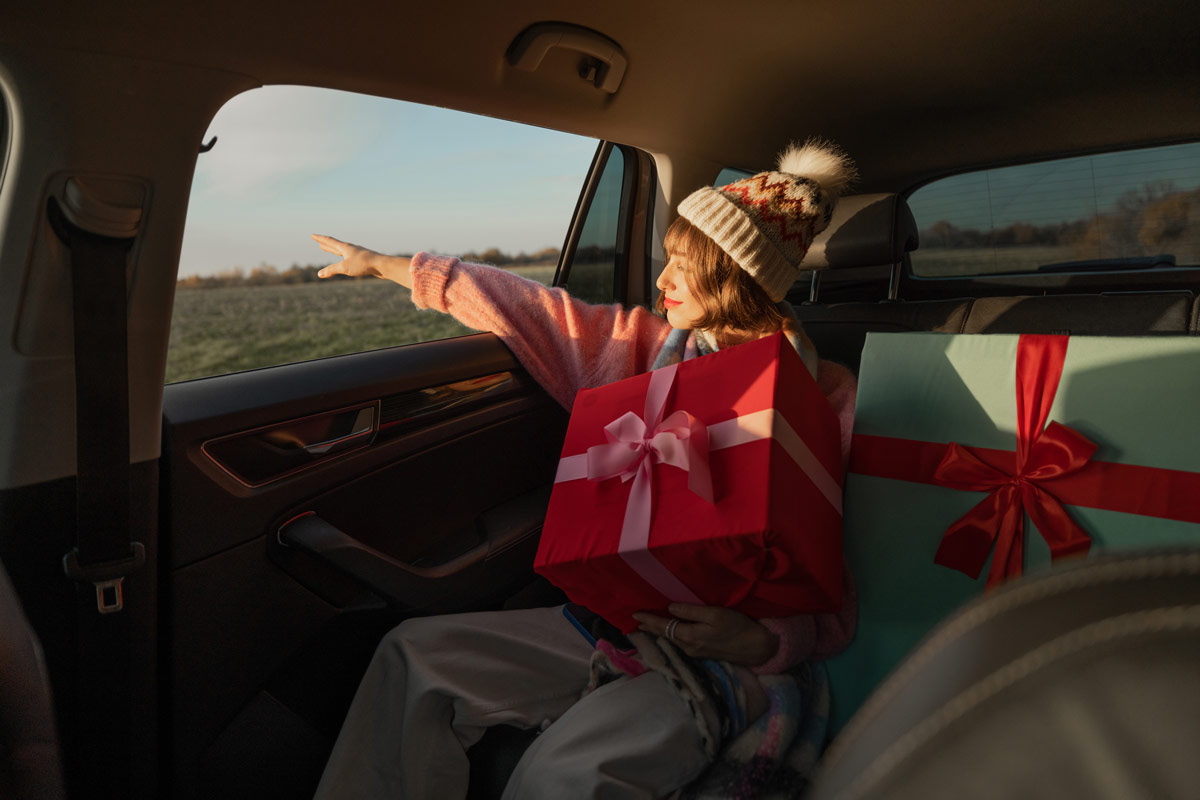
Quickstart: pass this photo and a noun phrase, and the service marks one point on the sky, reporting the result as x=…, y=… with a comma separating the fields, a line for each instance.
x=392, y=176
x=399, y=178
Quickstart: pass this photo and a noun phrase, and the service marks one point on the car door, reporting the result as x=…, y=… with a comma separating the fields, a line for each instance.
x=307, y=508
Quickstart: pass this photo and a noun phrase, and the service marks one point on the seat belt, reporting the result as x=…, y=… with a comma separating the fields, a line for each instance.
x=104, y=553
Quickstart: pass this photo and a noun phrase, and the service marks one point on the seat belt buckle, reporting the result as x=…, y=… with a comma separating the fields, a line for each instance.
x=106, y=576
x=109, y=597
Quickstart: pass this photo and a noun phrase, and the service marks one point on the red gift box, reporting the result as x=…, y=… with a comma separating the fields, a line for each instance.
x=714, y=481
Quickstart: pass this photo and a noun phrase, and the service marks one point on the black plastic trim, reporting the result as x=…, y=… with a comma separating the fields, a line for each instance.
x=579, y=218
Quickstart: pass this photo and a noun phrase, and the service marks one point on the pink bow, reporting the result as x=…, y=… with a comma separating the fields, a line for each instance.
x=680, y=440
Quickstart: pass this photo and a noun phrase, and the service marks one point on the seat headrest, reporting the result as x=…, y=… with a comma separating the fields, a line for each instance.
x=866, y=230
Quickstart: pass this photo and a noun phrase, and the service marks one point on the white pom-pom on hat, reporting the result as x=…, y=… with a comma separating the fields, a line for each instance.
x=821, y=161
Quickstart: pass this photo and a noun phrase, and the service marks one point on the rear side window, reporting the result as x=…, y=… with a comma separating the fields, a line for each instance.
x=395, y=177
x=591, y=275
x=729, y=175
x=1127, y=210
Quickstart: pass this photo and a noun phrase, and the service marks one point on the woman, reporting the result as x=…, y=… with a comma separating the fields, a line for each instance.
x=436, y=684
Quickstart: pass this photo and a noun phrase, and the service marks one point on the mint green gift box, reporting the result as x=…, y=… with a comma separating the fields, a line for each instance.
x=1136, y=398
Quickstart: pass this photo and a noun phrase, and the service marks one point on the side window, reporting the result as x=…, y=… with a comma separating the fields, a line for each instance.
x=1127, y=210
x=3, y=135
x=392, y=176
x=725, y=176
x=729, y=175
x=591, y=273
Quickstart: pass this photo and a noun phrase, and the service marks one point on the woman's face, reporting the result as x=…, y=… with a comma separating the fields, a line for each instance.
x=683, y=311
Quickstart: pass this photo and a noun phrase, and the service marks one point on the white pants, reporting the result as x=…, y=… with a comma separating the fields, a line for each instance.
x=435, y=684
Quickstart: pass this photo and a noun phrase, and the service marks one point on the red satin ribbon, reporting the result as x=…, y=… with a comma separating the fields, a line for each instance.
x=1043, y=453
x=1125, y=488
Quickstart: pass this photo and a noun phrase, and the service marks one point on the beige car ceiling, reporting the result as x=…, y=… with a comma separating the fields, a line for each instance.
x=912, y=89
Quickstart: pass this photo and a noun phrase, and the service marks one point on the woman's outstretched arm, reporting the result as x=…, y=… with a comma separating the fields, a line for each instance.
x=565, y=344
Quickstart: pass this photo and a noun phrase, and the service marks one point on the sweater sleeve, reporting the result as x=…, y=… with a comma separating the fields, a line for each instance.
x=564, y=343
x=809, y=636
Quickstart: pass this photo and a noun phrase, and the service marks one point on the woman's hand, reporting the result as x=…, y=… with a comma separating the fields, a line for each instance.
x=359, y=261
x=714, y=632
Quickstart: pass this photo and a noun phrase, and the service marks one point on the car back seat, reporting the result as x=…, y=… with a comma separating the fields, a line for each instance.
x=30, y=760
x=839, y=330
x=879, y=229
x=1077, y=683
x=1126, y=314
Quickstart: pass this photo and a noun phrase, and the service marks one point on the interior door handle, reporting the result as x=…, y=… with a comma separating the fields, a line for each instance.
x=532, y=45
x=502, y=527
x=364, y=423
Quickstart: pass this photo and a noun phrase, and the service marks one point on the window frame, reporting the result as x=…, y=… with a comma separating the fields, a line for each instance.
x=295, y=359
x=636, y=203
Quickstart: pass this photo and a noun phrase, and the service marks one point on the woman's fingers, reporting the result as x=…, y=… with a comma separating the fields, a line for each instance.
x=682, y=633
x=651, y=623
x=337, y=248
x=661, y=626
x=712, y=632
x=695, y=613
x=355, y=260
x=359, y=262
x=329, y=244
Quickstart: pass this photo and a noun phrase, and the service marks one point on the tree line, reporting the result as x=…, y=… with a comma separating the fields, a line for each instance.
x=1154, y=219
x=268, y=275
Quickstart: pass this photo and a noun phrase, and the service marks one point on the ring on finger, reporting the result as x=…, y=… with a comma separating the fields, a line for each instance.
x=670, y=631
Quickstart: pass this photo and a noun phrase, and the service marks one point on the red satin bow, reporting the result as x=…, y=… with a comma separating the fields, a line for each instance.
x=1043, y=453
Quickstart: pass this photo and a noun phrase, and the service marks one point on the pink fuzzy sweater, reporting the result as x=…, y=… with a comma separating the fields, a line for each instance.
x=568, y=345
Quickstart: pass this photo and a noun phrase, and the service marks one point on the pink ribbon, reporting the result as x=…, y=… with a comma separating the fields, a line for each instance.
x=635, y=445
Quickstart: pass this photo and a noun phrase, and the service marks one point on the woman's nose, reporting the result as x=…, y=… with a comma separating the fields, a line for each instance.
x=662, y=283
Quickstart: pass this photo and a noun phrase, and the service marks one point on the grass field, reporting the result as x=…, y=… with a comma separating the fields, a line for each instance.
x=217, y=331
x=985, y=260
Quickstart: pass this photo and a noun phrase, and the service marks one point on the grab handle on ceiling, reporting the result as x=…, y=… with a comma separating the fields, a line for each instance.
x=606, y=62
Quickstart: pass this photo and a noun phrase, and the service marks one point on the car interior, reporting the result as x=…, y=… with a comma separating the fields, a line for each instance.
x=274, y=523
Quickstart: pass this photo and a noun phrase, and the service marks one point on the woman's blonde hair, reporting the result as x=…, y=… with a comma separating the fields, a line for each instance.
x=729, y=297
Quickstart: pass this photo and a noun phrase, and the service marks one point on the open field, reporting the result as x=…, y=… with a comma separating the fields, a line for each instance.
x=943, y=263
x=217, y=331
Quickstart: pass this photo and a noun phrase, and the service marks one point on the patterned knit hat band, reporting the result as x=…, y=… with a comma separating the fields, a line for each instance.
x=767, y=222
x=726, y=223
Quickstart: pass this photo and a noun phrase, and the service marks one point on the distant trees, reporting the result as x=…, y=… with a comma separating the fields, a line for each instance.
x=944, y=235
x=1154, y=219
x=497, y=258
x=262, y=275
x=267, y=275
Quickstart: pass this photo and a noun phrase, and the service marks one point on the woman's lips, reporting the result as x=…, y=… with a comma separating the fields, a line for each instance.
x=669, y=303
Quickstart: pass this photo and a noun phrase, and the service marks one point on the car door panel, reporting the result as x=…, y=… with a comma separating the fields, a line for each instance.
x=437, y=511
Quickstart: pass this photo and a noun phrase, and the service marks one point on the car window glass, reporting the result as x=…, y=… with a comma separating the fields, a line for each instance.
x=725, y=176
x=392, y=176
x=1133, y=209
x=3, y=135
x=591, y=274
x=729, y=175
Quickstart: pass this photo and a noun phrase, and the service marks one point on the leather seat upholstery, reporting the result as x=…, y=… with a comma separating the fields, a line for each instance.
x=30, y=764
x=1080, y=683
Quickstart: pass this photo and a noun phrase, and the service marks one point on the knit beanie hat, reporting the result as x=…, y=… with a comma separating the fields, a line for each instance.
x=766, y=222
